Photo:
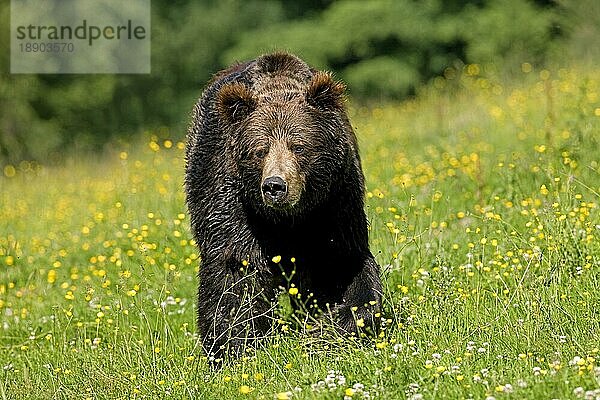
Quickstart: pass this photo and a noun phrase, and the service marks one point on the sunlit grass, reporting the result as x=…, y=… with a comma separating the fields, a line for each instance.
x=483, y=201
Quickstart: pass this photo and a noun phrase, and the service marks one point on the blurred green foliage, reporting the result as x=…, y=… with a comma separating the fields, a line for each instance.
x=383, y=49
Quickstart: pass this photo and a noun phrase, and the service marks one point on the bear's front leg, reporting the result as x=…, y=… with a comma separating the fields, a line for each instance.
x=361, y=300
x=234, y=308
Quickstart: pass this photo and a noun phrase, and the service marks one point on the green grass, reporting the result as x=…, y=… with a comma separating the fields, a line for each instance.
x=483, y=201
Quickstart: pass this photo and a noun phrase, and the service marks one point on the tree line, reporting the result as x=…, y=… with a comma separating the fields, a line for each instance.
x=383, y=50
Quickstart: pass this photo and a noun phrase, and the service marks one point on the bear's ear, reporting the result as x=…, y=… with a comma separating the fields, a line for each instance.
x=324, y=93
x=235, y=102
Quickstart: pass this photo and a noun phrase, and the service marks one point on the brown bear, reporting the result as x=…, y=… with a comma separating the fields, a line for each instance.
x=274, y=180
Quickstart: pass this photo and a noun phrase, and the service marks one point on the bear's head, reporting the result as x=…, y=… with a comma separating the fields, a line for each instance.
x=289, y=142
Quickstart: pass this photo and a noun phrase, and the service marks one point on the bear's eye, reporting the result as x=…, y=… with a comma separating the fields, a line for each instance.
x=298, y=149
x=260, y=153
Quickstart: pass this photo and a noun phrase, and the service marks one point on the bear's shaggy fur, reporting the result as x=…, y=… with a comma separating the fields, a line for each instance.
x=272, y=169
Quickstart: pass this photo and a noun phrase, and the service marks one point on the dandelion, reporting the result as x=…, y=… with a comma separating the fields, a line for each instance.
x=245, y=389
x=154, y=146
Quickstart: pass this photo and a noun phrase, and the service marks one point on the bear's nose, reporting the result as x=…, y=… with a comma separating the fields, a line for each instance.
x=274, y=188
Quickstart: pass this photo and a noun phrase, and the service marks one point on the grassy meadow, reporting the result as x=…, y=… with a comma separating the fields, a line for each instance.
x=483, y=201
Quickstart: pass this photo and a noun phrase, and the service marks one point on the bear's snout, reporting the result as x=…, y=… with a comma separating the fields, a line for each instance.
x=274, y=189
